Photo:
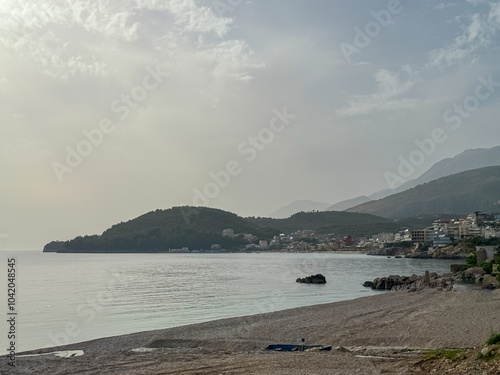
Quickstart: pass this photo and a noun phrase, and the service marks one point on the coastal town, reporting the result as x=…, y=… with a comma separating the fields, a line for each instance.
x=443, y=232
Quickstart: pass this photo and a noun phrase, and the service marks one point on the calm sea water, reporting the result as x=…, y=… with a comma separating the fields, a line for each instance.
x=65, y=298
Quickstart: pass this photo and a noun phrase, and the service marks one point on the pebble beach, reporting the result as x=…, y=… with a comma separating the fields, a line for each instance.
x=385, y=334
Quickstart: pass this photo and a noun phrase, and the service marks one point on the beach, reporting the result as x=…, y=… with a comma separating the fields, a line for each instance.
x=387, y=333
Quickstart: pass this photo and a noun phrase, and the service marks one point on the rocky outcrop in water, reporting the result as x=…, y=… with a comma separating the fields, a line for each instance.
x=313, y=279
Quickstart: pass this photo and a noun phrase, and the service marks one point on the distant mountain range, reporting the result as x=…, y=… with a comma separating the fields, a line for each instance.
x=299, y=206
x=467, y=160
x=344, y=205
x=461, y=193
x=452, y=186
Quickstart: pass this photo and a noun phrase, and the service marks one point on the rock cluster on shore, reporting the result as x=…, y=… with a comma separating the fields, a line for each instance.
x=413, y=283
x=478, y=276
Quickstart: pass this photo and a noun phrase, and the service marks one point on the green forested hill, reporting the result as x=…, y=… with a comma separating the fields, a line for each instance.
x=324, y=221
x=200, y=227
x=160, y=230
x=461, y=193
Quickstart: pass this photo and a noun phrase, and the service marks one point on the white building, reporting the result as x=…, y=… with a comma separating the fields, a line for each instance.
x=489, y=232
x=228, y=233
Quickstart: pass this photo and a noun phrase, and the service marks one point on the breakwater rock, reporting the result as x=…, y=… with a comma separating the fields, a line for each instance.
x=413, y=283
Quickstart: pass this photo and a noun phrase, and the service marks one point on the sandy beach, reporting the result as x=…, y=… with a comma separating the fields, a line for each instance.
x=384, y=334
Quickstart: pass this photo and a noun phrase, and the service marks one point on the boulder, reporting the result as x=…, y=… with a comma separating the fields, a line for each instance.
x=489, y=282
x=368, y=284
x=413, y=283
x=487, y=351
x=313, y=279
x=474, y=272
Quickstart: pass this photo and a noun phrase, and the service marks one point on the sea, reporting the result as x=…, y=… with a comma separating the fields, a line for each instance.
x=69, y=298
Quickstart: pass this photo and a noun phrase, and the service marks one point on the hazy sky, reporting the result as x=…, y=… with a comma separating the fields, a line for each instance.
x=110, y=109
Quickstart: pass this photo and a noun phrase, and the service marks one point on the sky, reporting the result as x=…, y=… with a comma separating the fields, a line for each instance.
x=111, y=109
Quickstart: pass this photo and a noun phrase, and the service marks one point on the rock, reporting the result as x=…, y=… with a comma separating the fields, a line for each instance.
x=413, y=283
x=368, y=284
x=486, y=351
x=474, y=272
x=313, y=279
x=489, y=282
x=414, y=278
x=427, y=278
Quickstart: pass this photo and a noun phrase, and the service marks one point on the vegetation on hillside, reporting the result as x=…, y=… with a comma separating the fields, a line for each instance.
x=161, y=230
x=343, y=223
x=200, y=227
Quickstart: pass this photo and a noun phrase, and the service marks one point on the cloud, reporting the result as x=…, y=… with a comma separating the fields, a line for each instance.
x=44, y=33
x=189, y=16
x=66, y=39
x=390, y=89
x=478, y=35
x=229, y=58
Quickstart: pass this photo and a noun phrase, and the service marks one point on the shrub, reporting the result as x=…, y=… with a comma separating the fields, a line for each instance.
x=494, y=339
x=487, y=267
x=472, y=260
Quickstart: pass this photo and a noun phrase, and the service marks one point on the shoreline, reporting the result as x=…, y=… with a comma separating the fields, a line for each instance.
x=425, y=320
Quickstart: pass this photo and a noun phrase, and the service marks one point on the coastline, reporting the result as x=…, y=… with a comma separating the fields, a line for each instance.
x=426, y=320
